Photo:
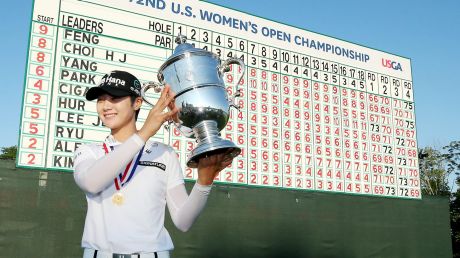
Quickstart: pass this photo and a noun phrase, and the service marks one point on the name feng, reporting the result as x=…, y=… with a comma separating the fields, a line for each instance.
x=81, y=37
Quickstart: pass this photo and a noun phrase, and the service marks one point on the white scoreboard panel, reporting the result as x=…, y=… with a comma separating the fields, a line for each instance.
x=317, y=113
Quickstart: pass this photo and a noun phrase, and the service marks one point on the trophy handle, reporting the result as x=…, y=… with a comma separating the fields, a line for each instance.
x=157, y=87
x=225, y=67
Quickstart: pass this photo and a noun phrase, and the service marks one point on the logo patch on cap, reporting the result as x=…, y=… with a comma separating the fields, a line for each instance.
x=109, y=80
x=137, y=84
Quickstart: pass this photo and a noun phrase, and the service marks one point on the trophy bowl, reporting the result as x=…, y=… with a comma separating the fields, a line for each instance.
x=196, y=77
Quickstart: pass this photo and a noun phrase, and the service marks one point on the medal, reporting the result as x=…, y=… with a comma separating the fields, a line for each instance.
x=118, y=199
x=124, y=177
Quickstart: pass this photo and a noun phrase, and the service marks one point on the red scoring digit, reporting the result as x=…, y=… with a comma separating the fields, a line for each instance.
x=320, y=184
x=176, y=132
x=40, y=57
x=264, y=143
x=253, y=178
x=34, y=113
x=288, y=181
x=31, y=157
x=188, y=173
x=176, y=144
x=33, y=129
x=286, y=90
x=276, y=180
x=229, y=126
x=285, y=79
x=240, y=164
x=229, y=176
x=265, y=155
x=265, y=167
x=309, y=183
x=264, y=75
x=229, y=77
x=253, y=165
x=189, y=146
x=37, y=99
x=286, y=112
x=42, y=43
x=240, y=178
x=240, y=139
x=43, y=29
x=265, y=179
x=240, y=128
x=287, y=135
x=33, y=142
x=287, y=146
x=39, y=84
x=39, y=70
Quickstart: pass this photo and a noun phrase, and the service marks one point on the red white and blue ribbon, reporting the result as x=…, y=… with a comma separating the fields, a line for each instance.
x=124, y=177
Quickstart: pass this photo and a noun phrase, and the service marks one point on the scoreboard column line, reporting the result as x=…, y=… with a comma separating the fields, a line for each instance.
x=49, y=143
x=395, y=176
x=341, y=136
x=366, y=108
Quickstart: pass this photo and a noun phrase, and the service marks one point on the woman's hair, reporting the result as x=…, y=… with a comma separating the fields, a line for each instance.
x=133, y=99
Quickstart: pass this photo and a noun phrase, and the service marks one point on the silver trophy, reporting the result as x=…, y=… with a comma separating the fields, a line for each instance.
x=196, y=77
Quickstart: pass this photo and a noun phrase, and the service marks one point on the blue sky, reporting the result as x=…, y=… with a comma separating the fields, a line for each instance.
x=427, y=32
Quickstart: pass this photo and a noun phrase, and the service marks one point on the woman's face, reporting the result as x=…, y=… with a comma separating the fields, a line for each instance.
x=115, y=112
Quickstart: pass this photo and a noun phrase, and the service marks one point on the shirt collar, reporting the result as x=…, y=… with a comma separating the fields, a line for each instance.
x=110, y=140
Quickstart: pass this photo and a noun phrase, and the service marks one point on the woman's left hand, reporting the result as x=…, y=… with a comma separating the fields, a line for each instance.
x=210, y=166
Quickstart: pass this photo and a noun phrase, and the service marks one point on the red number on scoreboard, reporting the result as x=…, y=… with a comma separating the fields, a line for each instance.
x=37, y=98
x=40, y=57
x=31, y=160
x=38, y=84
x=43, y=29
x=34, y=113
x=33, y=142
x=39, y=70
x=42, y=43
x=33, y=129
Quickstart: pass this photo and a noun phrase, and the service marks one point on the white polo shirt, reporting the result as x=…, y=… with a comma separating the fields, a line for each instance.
x=138, y=224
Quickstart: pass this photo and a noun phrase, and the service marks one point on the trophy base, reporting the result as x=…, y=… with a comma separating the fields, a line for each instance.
x=211, y=149
x=210, y=143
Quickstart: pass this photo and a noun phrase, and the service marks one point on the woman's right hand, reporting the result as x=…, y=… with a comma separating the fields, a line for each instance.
x=157, y=115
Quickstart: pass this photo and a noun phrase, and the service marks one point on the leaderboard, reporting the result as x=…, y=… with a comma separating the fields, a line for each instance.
x=316, y=112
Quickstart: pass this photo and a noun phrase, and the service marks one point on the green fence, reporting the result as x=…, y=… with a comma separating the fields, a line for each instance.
x=42, y=215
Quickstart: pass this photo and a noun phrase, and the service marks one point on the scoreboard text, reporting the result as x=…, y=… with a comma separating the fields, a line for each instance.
x=316, y=113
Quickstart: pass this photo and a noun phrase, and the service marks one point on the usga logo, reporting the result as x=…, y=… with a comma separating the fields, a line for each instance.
x=391, y=64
